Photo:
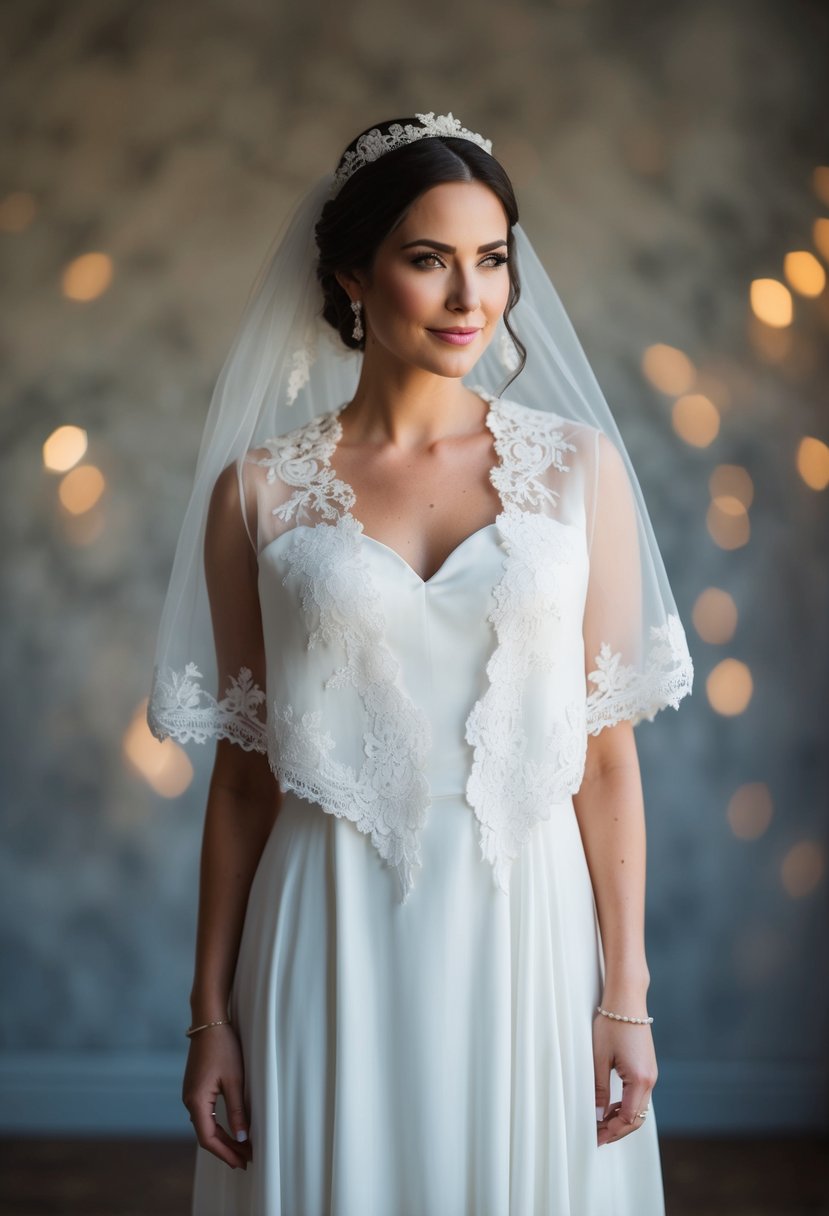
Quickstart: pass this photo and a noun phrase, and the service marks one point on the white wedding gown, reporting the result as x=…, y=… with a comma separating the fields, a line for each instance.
x=431, y=1057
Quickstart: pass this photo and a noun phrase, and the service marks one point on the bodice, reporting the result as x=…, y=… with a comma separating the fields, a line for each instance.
x=385, y=689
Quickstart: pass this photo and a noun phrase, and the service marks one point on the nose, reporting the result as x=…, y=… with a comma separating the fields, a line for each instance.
x=463, y=295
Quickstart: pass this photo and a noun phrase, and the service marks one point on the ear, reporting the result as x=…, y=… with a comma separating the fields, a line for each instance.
x=349, y=282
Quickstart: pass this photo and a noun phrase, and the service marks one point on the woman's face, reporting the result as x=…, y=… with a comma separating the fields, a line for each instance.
x=444, y=267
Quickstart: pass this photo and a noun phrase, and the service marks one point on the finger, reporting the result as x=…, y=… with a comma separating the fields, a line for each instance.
x=616, y=1128
x=601, y=1070
x=634, y=1098
x=237, y=1115
x=609, y=1126
x=618, y=1125
x=212, y=1136
x=240, y=1152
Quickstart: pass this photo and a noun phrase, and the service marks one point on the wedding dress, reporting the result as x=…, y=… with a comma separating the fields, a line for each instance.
x=420, y=962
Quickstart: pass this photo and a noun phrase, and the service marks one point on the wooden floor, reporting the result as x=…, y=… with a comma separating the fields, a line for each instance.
x=727, y=1177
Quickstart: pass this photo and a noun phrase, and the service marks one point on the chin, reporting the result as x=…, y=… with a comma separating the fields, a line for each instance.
x=451, y=369
x=456, y=362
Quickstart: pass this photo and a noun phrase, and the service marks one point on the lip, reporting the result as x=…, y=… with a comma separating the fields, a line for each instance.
x=456, y=336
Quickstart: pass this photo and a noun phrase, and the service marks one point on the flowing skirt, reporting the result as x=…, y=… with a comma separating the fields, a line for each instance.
x=432, y=1058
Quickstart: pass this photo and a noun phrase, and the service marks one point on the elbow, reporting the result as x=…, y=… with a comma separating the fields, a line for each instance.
x=612, y=750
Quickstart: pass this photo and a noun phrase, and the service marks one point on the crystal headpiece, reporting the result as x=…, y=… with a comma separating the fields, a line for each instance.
x=376, y=143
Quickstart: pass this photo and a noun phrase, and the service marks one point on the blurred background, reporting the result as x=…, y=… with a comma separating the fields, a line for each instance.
x=672, y=169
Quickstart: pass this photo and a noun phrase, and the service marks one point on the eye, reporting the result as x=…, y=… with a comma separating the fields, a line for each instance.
x=492, y=259
x=423, y=257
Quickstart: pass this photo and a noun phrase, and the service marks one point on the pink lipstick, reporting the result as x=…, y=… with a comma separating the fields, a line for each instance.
x=455, y=336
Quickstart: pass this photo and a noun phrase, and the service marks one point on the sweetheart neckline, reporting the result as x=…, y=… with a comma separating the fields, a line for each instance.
x=489, y=422
x=423, y=582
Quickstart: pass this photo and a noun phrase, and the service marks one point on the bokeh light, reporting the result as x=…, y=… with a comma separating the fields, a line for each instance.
x=728, y=523
x=802, y=868
x=771, y=302
x=749, y=810
x=820, y=236
x=812, y=462
x=696, y=419
x=64, y=448
x=714, y=615
x=805, y=273
x=729, y=687
x=87, y=276
x=165, y=767
x=81, y=488
x=732, y=481
x=668, y=369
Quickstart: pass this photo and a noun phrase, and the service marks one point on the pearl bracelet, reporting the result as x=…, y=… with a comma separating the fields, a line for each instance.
x=621, y=1018
x=195, y=1029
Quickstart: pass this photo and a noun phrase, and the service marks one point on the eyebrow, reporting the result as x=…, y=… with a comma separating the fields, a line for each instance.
x=451, y=248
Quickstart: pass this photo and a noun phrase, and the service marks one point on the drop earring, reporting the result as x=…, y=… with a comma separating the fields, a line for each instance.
x=357, y=308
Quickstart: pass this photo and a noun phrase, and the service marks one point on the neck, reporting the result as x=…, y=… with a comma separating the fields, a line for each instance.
x=409, y=407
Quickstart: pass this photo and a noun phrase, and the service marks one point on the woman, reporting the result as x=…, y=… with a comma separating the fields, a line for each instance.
x=438, y=612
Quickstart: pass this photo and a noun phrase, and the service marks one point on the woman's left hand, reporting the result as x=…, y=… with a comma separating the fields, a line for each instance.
x=627, y=1047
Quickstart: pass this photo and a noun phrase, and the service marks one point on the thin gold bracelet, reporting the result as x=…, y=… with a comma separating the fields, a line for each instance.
x=195, y=1029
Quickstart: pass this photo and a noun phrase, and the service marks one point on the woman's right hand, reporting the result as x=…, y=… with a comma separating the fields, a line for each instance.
x=214, y=1066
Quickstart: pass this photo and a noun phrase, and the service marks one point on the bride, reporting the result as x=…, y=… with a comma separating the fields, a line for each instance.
x=432, y=612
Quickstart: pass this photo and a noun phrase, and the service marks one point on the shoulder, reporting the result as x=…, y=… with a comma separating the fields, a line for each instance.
x=313, y=433
x=532, y=418
x=566, y=438
x=293, y=455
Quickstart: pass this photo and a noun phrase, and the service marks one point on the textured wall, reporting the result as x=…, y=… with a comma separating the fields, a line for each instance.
x=663, y=154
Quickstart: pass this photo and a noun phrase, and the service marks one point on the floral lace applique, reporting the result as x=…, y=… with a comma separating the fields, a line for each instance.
x=387, y=798
x=508, y=791
x=179, y=707
x=622, y=691
x=528, y=443
x=301, y=458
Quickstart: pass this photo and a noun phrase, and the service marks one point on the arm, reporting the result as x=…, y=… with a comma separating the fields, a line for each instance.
x=610, y=811
x=242, y=803
x=609, y=805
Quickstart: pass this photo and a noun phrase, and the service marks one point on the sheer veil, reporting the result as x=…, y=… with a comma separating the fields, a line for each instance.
x=286, y=366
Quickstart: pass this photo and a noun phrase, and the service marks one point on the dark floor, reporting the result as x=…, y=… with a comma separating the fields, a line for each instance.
x=729, y=1177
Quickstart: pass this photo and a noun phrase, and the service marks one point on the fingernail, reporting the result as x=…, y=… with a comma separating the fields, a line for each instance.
x=599, y=1114
x=241, y=1137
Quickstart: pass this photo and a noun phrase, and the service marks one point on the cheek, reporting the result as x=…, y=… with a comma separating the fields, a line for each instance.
x=498, y=293
x=406, y=299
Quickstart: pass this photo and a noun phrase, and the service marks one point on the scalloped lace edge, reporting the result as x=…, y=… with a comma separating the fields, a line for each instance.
x=623, y=693
x=179, y=708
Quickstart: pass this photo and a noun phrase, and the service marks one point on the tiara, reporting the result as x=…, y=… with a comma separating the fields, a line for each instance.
x=374, y=143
